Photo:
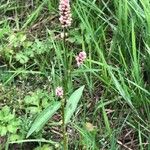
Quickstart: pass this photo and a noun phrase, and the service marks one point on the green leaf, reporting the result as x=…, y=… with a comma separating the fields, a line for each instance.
x=72, y=104
x=11, y=128
x=6, y=110
x=33, y=110
x=22, y=38
x=43, y=117
x=14, y=137
x=3, y=131
x=1, y=116
x=22, y=58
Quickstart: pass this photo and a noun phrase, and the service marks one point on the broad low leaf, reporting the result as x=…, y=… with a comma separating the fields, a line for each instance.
x=72, y=104
x=43, y=117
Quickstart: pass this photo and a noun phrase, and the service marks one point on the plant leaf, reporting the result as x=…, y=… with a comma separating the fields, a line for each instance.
x=72, y=103
x=43, y=117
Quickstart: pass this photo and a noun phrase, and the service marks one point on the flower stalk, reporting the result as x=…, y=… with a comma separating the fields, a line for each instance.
x=65, y=20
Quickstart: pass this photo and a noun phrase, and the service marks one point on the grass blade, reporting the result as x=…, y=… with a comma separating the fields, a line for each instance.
x=72, y=103
x=43, y=117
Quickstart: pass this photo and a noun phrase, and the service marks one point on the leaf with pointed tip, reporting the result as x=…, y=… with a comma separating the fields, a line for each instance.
x=43, y=117
x=72, y=103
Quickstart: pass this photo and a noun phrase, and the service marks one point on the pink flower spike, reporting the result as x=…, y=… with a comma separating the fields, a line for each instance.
x=80, y=58
x=59, y=92
x=82, y=55
x=79, y=62
x=65, y=13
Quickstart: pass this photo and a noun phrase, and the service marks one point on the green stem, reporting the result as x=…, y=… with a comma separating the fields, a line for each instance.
x=64, y=126
x=65, y=144
x=7, y=143
x=65, y=61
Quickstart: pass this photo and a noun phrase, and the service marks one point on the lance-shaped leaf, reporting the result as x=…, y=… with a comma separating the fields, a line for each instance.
x=72, y=103
x=43, y=117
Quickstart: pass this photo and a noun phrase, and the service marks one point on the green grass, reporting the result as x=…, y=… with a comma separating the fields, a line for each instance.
x=116, y=37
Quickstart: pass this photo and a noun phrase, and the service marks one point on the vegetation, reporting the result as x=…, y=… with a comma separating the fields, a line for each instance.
x=112, y=113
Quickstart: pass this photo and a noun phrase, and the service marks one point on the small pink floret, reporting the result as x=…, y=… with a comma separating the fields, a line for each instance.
x=80, y=58
x=59, y=92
